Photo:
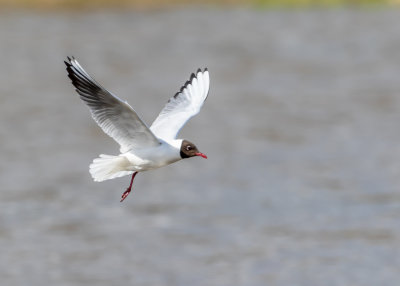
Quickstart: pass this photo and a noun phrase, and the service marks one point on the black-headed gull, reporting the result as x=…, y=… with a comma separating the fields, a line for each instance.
x=142, y=148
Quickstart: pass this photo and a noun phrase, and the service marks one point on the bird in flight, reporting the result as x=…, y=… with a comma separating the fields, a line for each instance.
x=142, y=148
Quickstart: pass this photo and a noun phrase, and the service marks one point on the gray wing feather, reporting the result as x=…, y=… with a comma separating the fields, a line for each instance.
x=116, y=117
x=182, y=106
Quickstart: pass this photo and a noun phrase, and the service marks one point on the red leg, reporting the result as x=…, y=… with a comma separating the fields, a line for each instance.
x=128, y=190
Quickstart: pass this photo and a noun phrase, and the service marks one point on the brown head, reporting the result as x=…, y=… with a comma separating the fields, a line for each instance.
x=188, y=150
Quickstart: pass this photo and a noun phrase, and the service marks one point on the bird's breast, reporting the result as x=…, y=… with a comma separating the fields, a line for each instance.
x=154, y=157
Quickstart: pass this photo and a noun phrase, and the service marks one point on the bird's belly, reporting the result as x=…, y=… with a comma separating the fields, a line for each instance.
x=149, y=165
x=145, y=160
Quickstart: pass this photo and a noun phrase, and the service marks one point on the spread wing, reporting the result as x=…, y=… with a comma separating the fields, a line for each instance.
x=116, y=117
x=182, y=106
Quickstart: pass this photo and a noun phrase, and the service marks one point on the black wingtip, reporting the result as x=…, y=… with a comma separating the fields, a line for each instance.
x=199, y=70
x=71, y=73
x=192, y=76
x=68, y=62
x=70, y=59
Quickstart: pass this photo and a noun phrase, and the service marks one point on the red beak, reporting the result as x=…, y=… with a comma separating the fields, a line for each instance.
x=201, y=155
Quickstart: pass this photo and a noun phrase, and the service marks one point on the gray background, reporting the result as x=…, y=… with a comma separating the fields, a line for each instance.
x=301, y=128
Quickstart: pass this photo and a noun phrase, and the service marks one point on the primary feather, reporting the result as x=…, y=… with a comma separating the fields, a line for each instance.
x=116, y=117
x=182, y=106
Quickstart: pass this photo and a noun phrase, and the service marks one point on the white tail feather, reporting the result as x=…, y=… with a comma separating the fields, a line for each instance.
x=108, y=167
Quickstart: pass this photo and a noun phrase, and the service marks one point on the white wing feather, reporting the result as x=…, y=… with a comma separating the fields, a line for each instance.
x=116, y=117
x=182, y=106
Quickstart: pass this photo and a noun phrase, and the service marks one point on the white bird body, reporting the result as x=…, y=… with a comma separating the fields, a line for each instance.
x=109, y=167
x=155, y=157
x=142, y=148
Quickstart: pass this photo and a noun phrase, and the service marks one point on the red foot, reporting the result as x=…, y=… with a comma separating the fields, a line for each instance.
x=128, y=190
x=125, y=194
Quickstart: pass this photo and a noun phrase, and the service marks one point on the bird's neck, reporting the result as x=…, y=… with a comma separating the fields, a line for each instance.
x=176, y=143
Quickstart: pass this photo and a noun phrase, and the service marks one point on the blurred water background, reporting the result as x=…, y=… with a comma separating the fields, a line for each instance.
x=301, y=128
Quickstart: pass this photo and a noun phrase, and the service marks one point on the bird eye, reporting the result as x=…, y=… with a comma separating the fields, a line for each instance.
x=188, y=148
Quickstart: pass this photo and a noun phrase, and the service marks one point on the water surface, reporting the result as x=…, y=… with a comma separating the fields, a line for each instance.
x=301, y=129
